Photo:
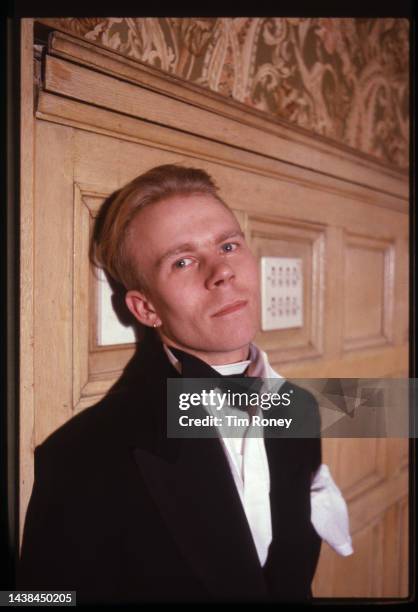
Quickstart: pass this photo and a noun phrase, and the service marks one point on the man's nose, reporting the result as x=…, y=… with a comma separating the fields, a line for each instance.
x=220, y=274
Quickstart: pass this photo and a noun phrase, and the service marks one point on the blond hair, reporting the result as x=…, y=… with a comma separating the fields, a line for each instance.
x=108, y=248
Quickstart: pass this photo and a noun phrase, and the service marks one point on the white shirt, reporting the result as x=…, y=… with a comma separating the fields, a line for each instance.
x=247, y=460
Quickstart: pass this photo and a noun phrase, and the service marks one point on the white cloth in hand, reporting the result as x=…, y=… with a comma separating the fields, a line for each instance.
x=329, y=514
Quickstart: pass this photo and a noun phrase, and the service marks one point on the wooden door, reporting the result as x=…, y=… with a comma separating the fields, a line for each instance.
x=98, y=120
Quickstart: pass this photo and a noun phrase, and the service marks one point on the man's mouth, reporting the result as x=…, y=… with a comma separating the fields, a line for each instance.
x=232, y=307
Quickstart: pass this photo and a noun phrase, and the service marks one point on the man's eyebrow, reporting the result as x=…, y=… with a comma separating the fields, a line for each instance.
x=191, y=246
x=229, y=234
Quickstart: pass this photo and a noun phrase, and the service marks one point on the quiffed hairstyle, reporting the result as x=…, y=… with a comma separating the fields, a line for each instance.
x=108, y=248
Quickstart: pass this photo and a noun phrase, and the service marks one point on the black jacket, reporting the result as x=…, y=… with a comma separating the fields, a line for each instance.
x=121, y=513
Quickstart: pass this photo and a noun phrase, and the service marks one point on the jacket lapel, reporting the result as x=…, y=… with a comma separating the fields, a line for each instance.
x=191, y=483
x=199, y=503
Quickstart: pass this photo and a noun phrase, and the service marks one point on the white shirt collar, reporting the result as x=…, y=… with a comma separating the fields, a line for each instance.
x=238, y=367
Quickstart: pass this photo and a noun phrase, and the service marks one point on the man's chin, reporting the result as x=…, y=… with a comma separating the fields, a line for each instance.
x=232, y=335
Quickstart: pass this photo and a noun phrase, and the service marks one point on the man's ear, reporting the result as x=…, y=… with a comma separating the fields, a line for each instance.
x=142, y=308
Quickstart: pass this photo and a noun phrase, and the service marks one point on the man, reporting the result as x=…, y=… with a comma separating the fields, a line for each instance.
x=122, y=513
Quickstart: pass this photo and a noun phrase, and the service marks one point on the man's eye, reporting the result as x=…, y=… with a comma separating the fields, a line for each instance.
x=229, y=246
x=182, y=263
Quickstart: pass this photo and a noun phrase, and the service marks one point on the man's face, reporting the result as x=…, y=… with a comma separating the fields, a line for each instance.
x=201, y=280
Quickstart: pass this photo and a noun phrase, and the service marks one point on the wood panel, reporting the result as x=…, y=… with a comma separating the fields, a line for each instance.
x=275, y=237
x=53, y=290
x=369, y=296
x=375, y=488
x=359, y=477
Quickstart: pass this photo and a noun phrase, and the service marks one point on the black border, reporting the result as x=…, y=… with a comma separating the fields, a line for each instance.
x=9, y=426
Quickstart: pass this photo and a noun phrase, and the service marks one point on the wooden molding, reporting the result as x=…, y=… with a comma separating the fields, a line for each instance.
x=109, y=80
x=374, y=473
x=95, y=368
x=364, y=510
x=271, y=235
x=113, y=62
x=372, y=362
x=386, y=300
x=66, y=111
